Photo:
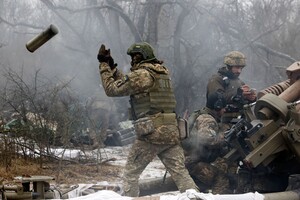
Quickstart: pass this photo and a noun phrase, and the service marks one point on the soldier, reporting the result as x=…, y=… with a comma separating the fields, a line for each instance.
x=205, y=146
x=205, y=138
x=227, y=81
x=152, y=108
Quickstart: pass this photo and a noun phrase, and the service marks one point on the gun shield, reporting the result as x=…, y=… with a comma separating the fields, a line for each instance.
x=41, y=38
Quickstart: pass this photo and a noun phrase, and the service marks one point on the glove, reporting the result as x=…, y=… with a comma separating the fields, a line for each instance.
x=104, y=56
x=238, y=98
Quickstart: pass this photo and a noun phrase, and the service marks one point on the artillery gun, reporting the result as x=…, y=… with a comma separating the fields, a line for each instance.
x=266, y=143
x=32, y=187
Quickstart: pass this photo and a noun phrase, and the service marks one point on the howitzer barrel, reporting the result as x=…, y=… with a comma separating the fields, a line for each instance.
x=291, y=94
x=41, y=38
x=276, y=89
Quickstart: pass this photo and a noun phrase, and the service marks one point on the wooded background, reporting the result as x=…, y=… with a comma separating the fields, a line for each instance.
x=191, y=36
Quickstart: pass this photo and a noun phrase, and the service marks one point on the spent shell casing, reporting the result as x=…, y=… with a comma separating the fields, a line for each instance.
x=41, y=38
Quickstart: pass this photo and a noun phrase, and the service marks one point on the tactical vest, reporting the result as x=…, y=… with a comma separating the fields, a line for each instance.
x=159, y=98
x=229, y=83
x=233, y=109
x=192, y=118
x=232, y=85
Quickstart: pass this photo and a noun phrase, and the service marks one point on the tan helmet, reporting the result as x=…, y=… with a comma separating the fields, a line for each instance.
x=235, y=58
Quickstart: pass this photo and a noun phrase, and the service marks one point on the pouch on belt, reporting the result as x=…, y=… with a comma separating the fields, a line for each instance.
x=161, y=128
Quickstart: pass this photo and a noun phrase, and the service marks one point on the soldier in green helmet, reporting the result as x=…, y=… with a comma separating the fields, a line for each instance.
x=227, y=82
x=152, y=108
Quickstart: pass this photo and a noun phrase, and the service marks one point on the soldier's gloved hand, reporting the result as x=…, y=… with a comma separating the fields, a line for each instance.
x=239, y=96
x=104, y=56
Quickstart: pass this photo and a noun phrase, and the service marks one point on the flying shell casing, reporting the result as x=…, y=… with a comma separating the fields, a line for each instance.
x=41, y=38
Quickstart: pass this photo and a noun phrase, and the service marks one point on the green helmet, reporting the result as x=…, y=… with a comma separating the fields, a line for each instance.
x=143, y=48
x=235, y=58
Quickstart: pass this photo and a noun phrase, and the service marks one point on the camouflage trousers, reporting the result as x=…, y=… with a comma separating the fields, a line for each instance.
x=213, y=176
x=142, y=153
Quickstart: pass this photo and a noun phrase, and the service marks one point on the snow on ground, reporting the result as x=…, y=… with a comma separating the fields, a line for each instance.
x=188, y=195
x=154, y=170
x=118, y=154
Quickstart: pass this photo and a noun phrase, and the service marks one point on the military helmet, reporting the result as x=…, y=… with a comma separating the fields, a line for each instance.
x=143, y=48
x=235, y=58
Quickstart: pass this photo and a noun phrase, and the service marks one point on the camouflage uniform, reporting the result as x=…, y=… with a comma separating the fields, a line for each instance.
x=143, y=84
x=227, y=82
x=206, y=145
x=205, y=140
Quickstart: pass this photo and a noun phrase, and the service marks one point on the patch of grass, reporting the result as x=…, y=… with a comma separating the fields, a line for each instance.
x=68, y=174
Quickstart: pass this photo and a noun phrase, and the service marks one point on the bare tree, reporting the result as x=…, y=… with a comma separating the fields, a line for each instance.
x=34, y=105
x=191, y=36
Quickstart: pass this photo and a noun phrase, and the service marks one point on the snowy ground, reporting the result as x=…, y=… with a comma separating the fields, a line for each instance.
x=154, y=170
x=118, y=154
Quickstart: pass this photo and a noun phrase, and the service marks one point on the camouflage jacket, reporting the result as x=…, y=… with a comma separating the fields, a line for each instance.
x=138, y=81
x=206, y=140
x=116, y=84
x=206, y=127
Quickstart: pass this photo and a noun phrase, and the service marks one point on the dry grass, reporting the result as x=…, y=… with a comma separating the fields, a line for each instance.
x=68, y=174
